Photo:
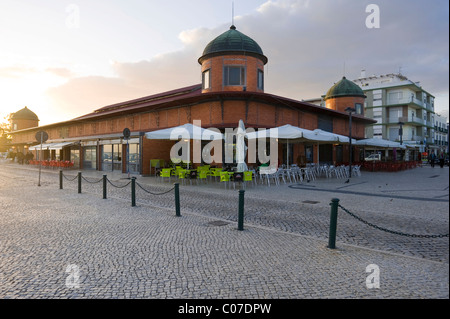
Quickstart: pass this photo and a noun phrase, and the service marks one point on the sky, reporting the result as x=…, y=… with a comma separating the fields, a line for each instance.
x=64, y=59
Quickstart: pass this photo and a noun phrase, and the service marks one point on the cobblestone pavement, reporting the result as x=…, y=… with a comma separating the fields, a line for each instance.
x=119, y=251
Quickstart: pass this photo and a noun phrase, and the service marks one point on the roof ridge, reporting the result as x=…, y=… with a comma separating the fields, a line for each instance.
x=150, y=98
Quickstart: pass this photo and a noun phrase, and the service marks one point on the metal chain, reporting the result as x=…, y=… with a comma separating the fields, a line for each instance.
x=388, y=230
x=70, y=180
x=118, y=186
x=92, y=182
x=154, y=193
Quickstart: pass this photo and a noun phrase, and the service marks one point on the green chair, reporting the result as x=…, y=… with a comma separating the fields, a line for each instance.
x=156, y=164
x=166, y=173
x=248, y=177
x=225, y=178
x=182, y=175
x=215, y=172
x=202, y=175
x=177, y=170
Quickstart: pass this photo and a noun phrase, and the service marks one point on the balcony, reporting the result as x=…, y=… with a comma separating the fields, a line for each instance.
x=411, y=100
x=408, y=119
x=417, y=138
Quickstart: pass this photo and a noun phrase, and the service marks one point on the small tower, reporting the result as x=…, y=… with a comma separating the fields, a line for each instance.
x=343, y=94
x=232, y=62
x=24, y=119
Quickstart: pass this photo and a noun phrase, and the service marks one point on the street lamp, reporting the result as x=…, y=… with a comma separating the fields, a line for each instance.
x=400, y=132
x=350, y=111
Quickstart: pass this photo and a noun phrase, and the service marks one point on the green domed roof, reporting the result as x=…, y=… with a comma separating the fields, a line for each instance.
x=344, y=88
x=25, y=114
x=233, y=42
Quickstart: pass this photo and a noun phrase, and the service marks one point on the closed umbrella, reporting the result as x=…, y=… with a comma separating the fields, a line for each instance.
x=240, y=148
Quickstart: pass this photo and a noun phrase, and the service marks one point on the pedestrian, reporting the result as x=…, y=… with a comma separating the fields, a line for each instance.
x=441, y=160
x=20, y=157
x=28, y=157
x=432, y=159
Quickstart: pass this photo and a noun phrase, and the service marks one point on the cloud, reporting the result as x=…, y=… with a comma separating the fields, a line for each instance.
x=16, y=72
x=83, y=95
x=61, y=72
x=307, y=43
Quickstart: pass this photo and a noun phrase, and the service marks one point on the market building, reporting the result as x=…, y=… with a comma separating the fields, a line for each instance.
x=232, y=89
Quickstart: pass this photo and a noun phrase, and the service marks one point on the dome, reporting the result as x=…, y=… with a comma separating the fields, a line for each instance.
x=233, y=42
x=344, y=88
x=25, y=114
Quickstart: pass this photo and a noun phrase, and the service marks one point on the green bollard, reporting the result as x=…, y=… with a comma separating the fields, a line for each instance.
x=133, y=191
x=79, y=182
x=333, y=223
x=104, y=186
x=177, y=199
x=241, y=210
x=60, y=179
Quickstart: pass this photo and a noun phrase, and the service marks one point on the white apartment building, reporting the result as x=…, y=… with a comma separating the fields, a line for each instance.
x=441, y=133
x=397, y=102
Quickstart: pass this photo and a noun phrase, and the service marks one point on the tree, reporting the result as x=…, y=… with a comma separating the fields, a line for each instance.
x=5, y=128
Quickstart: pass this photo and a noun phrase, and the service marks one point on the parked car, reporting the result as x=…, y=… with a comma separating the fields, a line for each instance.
x=373, y=157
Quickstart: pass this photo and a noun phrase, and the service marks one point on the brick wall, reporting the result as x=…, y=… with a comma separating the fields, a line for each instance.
x=341, y=103
x=216, y=64
x=23, y=124
x=212, y=114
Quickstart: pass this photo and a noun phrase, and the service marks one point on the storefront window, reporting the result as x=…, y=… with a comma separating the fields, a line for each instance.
x=133, y=160
x=90, y=157
x=112, y=157
x=75, y=157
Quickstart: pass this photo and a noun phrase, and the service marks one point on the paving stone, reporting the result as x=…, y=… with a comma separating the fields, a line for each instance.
x=148, y=252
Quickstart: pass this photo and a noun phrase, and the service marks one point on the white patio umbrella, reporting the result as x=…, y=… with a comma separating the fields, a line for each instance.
x=240, y=148
x=290, y=133
x=286, y=132
x=190, y=131
x=379, y=143
x=187, y=131
x=333, y=137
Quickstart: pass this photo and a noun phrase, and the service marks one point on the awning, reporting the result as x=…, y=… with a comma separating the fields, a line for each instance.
x=50, y=146
x=38, y=147
x=59, y=146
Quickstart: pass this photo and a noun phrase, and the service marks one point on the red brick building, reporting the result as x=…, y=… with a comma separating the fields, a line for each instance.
x=232, y=88
x=23, y=119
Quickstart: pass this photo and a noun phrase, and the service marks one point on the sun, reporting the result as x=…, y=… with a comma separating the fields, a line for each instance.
x=27, y=88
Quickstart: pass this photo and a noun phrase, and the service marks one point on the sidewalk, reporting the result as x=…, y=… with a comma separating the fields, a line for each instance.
x=147, y=252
